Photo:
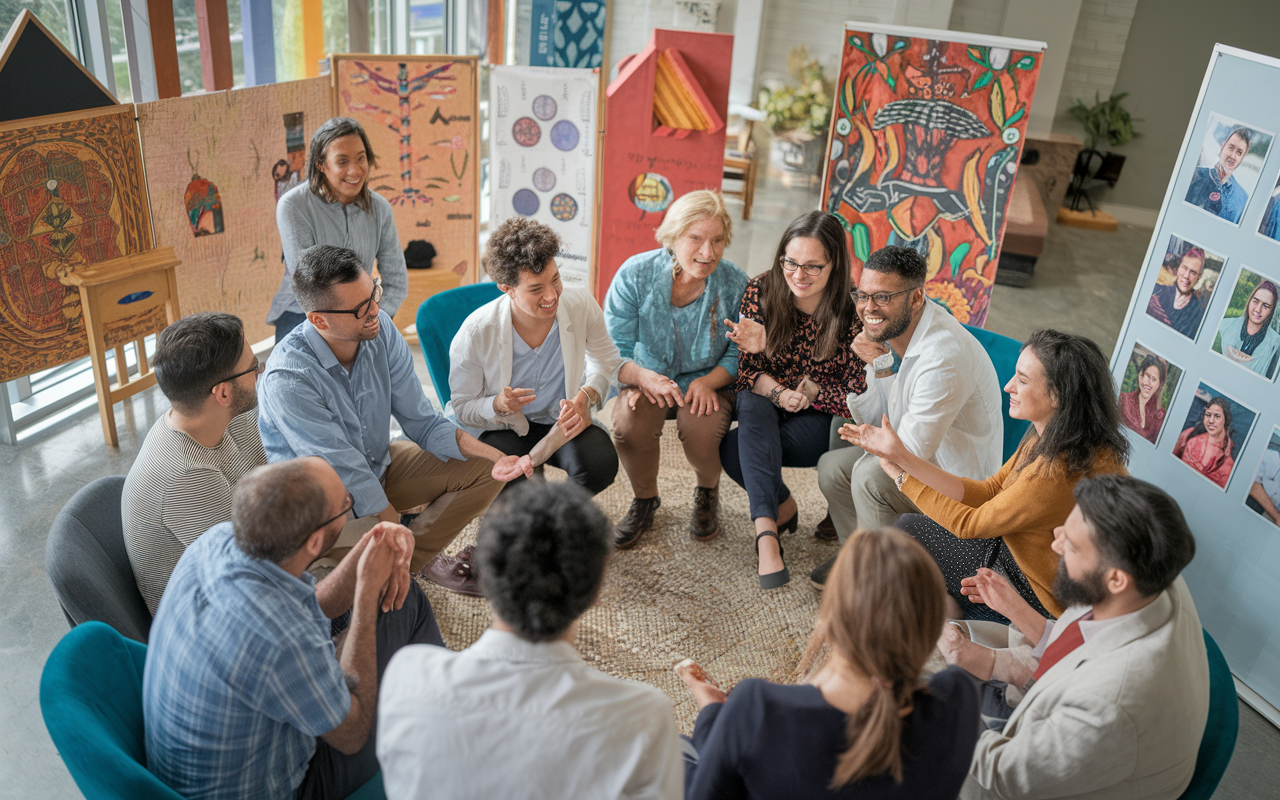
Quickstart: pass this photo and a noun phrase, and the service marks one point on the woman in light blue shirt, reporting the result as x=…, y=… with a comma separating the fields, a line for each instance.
x=336, y=207
x=1249, y=339
x=666, y=310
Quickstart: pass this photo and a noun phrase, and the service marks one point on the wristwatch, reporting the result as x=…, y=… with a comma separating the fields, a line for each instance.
x=902, y=476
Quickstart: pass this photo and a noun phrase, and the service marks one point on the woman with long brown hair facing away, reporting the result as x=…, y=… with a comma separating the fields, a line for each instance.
x=788, y=392
x=863, y=725
x=1062, y=385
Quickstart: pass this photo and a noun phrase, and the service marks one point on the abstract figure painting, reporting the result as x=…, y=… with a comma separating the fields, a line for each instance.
x=544, y=153
x=216, y=164
x=665, y=116
x=421, y=116
x=925, y=142
x=70, y=195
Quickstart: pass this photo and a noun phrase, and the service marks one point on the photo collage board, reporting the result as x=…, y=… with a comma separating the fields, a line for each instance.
x=1197, y=360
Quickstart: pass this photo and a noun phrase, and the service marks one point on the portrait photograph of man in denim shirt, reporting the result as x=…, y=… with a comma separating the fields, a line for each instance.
x=1227, y=169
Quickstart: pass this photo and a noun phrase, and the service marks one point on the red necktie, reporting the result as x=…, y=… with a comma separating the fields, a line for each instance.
x=1070, y=639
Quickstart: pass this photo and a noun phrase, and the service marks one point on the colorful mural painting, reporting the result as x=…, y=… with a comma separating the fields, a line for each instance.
x=70, y=195
x=422, y=119
x=925, y=142
x=216, y=165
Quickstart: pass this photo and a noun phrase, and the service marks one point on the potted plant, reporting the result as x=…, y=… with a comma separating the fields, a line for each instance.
x=798, y=114
x=1105, y=121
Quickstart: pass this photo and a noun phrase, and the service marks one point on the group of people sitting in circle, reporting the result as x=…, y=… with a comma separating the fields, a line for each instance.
x=1049, y=583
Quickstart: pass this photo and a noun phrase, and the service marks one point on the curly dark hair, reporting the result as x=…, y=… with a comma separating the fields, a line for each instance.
x=541, y=553
x=1086, y=424
x=905, y=262
x=518, y=245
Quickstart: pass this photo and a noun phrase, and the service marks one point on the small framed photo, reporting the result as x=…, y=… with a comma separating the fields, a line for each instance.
x=1184, y=285
x=1228, y=165
x=1149, y=385
x=1214, y=434
x=1263, y=497
x=1270, y=225
x=1249, y=334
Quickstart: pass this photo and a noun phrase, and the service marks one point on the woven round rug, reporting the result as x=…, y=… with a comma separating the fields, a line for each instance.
x=671, y=598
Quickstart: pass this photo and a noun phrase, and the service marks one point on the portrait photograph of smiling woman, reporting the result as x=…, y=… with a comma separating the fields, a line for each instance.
x=1249, y=334
x=1227, y=167
x=1214, y=434
x=1149, y=384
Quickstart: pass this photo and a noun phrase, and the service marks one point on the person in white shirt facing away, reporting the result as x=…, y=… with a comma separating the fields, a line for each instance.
x=519, y=713
x=929, y=377
x=1117, y=688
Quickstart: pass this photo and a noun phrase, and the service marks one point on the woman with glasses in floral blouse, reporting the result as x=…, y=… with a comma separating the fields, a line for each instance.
x=790, y=389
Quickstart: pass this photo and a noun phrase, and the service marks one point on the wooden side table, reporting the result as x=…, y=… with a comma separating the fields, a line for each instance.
x=124, y=300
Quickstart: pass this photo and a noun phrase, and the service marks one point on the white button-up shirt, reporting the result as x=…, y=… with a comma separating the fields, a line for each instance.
x=512, y=718
x=944, y=401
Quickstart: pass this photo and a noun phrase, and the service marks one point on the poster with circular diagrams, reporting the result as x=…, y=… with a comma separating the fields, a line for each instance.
x=543, y=145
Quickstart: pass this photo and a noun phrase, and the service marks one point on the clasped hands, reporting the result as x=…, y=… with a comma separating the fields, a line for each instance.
x=384, y=564
x=663, y=392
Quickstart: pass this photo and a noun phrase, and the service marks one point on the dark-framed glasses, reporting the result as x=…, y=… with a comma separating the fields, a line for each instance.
x=257, y=368
x=361, y=311
x=809, y=269
x=879, y=298
x=351, y=504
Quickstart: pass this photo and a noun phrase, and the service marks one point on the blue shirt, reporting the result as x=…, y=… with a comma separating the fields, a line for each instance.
x=241, y=675
x=541, y=369
x=641, y=320
x=309, y=405
x=1231, y=198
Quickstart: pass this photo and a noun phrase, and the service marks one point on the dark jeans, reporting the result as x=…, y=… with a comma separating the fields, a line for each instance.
x=766, y=440
x=332, y=775
x=589, y=457
x=961, y=558
x=287, y=322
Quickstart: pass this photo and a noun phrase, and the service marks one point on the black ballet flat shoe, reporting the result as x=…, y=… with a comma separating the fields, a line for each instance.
x=782, y=577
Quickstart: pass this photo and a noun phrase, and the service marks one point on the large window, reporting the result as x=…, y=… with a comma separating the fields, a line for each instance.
x=55, y=14
x=426, y=27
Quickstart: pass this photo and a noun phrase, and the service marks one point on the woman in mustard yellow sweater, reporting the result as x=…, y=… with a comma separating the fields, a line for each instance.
x=1063, y=387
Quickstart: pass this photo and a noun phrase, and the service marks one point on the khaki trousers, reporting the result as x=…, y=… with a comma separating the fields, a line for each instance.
x=859, y=494
x=637, y=435
x=457, y=491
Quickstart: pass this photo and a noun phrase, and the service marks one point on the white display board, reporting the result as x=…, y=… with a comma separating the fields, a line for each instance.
x=1198, y=355
x=543, y=152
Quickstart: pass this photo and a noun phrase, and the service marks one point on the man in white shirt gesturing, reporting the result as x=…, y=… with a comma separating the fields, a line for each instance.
x=943, y=398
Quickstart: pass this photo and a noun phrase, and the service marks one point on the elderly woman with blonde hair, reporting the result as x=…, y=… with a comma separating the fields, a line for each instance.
x=666, y=311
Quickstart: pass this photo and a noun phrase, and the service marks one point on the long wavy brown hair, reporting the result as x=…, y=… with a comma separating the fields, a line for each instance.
x=835, y=316
x=882, y=613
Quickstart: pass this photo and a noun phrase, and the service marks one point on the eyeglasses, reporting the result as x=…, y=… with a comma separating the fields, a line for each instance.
x=361, y=311
x=809, y=269
x=351, y=503
x=879, y=298
x=257, y=368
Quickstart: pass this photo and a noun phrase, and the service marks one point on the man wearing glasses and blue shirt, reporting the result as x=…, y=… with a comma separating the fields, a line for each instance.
x=330, y=389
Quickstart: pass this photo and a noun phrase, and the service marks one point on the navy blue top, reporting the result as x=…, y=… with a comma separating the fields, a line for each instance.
x=773, y=741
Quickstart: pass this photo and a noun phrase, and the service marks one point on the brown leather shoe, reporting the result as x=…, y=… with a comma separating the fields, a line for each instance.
x=639, y=519
x=826, y=530
x=705, y=524
x=455, y=573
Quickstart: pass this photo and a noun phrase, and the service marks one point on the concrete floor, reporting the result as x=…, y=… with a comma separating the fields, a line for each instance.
x=1082, y=284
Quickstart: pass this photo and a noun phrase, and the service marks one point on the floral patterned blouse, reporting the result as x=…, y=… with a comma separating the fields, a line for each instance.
x=836, y=377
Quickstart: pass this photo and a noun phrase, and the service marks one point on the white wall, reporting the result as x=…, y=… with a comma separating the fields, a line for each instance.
x=631, y=23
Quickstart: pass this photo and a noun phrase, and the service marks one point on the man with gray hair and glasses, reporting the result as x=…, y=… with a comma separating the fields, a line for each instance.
x=331, y=388
x=244, y=693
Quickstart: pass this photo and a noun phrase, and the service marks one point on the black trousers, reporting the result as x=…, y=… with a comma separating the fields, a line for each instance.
x=589, y=458
x=961, y=558
x=333, y=775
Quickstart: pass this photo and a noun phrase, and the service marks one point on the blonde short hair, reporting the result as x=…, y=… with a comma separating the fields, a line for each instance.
x=689, y=210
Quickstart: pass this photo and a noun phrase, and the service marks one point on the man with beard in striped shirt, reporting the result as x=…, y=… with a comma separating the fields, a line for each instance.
x=182, y=481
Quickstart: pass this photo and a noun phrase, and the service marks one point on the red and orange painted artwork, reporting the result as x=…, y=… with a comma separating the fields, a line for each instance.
x=925, y=140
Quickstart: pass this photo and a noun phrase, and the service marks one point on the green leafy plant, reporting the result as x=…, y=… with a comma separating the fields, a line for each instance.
x=799, y=111
x=1105, y=121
